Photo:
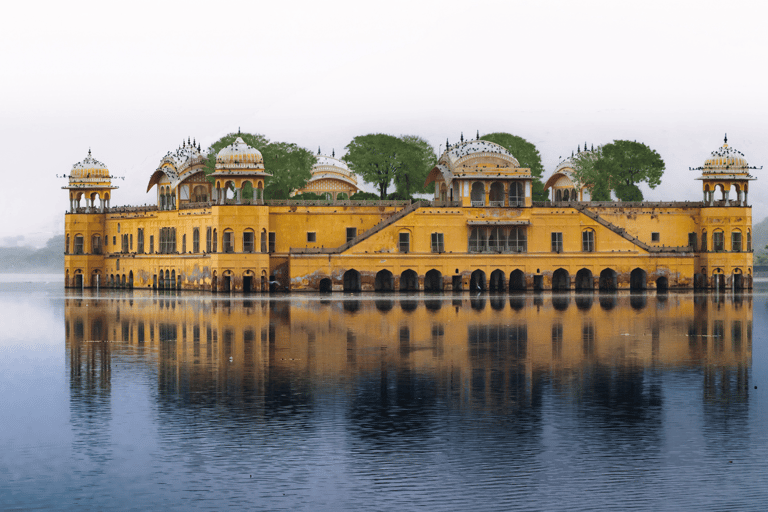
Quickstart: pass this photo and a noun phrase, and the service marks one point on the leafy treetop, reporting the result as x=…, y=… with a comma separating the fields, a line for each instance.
x=382, y=159
x=619, y=166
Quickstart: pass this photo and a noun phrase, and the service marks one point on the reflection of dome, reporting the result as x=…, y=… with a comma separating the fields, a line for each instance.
x=239, y=155
x=89, y=168
x=726, y=160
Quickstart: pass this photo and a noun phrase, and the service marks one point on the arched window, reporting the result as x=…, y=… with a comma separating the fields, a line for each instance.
x=78, y=244
x=516, y=194
x=736, y=241
x=196, y=240
x=476, y=240
x=704, y=245
x=215, y=242
x=497, y=239
x=248, y=240
x=404, y=242
x=184, y=243
x=96, y=244
x=478, y=194
x=496, y=196
x=517, y=240
x=263, y=240
x=208, y=240
x=718, y=241
x=228, y=241
x=66, y=247
x=749, y=241
x=588, y=240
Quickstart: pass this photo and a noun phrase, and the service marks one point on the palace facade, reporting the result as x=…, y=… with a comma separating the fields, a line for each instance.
x=480, y=232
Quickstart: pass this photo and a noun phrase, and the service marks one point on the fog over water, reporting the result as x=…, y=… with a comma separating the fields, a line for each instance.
x=135, y=400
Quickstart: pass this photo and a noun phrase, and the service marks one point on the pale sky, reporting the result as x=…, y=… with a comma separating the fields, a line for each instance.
x=131, y=80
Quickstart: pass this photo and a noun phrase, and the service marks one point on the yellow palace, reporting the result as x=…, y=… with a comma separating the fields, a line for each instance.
x=481, y=231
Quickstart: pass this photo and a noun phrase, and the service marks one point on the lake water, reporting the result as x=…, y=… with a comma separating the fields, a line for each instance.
x=141, y=400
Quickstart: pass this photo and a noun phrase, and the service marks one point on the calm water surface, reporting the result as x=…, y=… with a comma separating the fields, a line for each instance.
x=140, y=400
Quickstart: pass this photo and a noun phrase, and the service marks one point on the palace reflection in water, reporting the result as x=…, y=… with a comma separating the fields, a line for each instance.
x=485, y=351
x=444, y=397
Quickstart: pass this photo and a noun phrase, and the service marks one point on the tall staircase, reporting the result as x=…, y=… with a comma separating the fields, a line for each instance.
x=582, y=208
x=366, y=234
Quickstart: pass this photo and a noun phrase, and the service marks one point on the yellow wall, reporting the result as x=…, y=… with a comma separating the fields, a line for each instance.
x=303, y=271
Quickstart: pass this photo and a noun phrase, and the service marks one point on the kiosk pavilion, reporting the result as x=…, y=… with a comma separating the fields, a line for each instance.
x=481, y=231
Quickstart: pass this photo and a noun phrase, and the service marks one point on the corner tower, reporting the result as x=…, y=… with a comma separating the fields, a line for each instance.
x=90, y=179
x=724, y=170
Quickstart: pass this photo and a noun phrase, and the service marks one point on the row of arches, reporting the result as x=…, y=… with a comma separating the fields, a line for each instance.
x=496, y=193
x=498, y=281
x=434, y=281
x=167, y=198
x=223, y=187
x=102, y=197
x=740, y=190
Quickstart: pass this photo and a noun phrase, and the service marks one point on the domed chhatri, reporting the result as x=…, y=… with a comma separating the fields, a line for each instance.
x=89, y=167
x=724, y=170
x=726, y=160
x=89, y=178
x=237, y=165
x=331, y=178
x=239, y=155
x=563, y=183
x=480, y=173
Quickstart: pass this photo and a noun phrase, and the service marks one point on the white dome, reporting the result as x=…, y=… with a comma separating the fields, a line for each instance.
x=239, y=155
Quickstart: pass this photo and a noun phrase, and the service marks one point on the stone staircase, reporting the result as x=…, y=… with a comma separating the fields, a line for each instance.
x=366, y=234
x=582, y=208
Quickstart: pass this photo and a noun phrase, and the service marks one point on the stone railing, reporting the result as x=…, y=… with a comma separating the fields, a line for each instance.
x=622, y=204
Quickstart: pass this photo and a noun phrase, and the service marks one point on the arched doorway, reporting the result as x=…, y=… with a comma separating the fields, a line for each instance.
x=247, y=281
x=497, y=281
x=325, y=285
x=561, y=280
x=433, y=281
x=584, y=280
x=608, y=280
x=384, y=281
x=496, y=194
x=351, y=281
x=662, y=283
x=478, y=194
x=409, y=281
x=738, y=280
x=517, y=280
x=477, y=281
x=638, y=279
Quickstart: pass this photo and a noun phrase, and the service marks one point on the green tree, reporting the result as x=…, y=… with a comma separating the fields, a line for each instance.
x=363, y=196
x=373, y=157
x=289, y=164
x=628, y=163
x=619, y=166
x=382, y=159
x=526, y=154
x=587, y=173
x=418, y=158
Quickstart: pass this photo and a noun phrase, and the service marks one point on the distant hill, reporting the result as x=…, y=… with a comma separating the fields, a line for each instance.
x=759, y=241
x=19, y=260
